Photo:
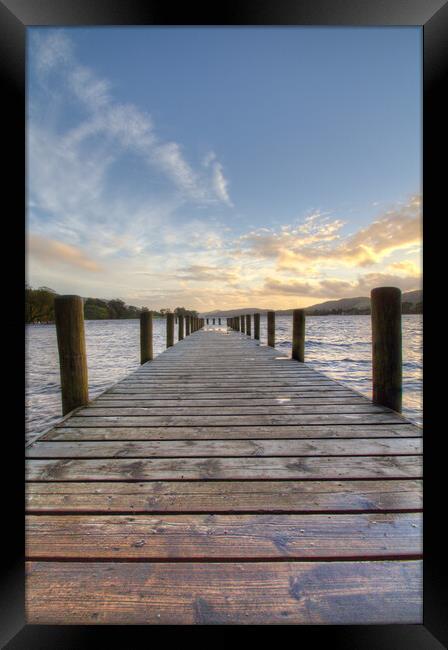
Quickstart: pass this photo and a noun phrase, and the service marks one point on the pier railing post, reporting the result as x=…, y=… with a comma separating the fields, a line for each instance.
x=257, y=327
x=298, y=334
x=386, y=347
x=187, y=325
x=146, y=353
x=271, y=328
x=69, y=319
x=237, y=323
x=243, y=324
x=169, y=330
x=181, y=327
x=248, y=325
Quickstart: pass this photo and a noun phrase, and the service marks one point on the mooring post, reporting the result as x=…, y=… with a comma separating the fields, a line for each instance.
x=386, y=347
x=169, y=330
x=181, y=327
x=298, y=334
x=271, y=328
x=146, y=353
x=69, y=319
x=257, y=327
x=248, y=325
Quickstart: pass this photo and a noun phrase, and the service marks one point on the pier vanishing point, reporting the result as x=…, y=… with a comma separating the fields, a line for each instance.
x=224, y=482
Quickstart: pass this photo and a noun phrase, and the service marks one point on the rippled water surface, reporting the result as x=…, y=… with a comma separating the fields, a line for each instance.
x=339, y=346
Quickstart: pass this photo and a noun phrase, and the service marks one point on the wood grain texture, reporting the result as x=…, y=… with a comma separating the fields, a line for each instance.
x=226, y=496
x=205, y=449
x=182, y=469
x=238, y=537
x=226, y=420
x=186, y=593
x=224, y=482
x=69, y=432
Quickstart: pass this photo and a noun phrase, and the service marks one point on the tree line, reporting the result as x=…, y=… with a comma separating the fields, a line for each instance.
x=406, y=308
x=39, y=307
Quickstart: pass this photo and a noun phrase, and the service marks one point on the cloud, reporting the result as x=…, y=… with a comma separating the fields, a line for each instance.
x=319, y=239
x=334, y=288
x=123, y=124
x=198, y=273
x=53, y=252
x=220, y=182
x=410, y=268
x=51, y=51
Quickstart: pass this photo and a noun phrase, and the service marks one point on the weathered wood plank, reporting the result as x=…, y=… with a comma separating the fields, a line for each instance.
x=108, y=400
x=186, y=390
x=221, y=449
x=226, y=420
x=122, y=469
x=202, y=448
x=237, y=537
x=68, y=431
x=281, y=409
x=74, y=593
x=225, y=496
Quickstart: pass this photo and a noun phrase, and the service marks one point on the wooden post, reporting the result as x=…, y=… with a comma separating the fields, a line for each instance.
x=271, y=328
x=146, y=353
x=257, y=327
x=181, y=327
x=243, y=324
x=237, y=323
x=298, y=334
x=386, y=347
x=169, y=330
x=248, y=325
x=187, y=325
x=69, y=319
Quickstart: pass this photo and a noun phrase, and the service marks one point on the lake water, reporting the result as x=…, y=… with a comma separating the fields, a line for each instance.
x=339, y=346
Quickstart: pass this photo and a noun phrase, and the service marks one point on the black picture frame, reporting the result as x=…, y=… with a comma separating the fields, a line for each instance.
x=432, y=16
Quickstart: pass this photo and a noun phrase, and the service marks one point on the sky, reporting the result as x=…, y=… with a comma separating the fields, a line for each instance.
x=218, y=168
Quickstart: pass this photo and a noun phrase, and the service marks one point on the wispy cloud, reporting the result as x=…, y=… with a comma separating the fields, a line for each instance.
x=220, y=182
x=149, y=235
x=56, y=253
x=125, y=124
x=334, y=288
x=319, y=239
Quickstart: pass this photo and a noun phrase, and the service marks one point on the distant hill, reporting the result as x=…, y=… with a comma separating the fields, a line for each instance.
x=344, y=305
x=361, y=304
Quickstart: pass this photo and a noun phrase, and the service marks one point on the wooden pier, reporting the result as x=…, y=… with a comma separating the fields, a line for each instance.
x=224, y=482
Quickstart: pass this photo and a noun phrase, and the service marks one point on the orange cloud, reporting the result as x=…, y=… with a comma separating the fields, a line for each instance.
x=319, y=240
x=334, y=288
x=52, y=252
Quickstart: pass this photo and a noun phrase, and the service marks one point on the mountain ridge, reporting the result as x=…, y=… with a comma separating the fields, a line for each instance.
x=361, y=303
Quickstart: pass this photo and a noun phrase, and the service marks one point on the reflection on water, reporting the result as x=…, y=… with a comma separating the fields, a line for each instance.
x=338, y=346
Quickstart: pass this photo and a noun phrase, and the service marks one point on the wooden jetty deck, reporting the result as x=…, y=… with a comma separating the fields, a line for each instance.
x=224, y=482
